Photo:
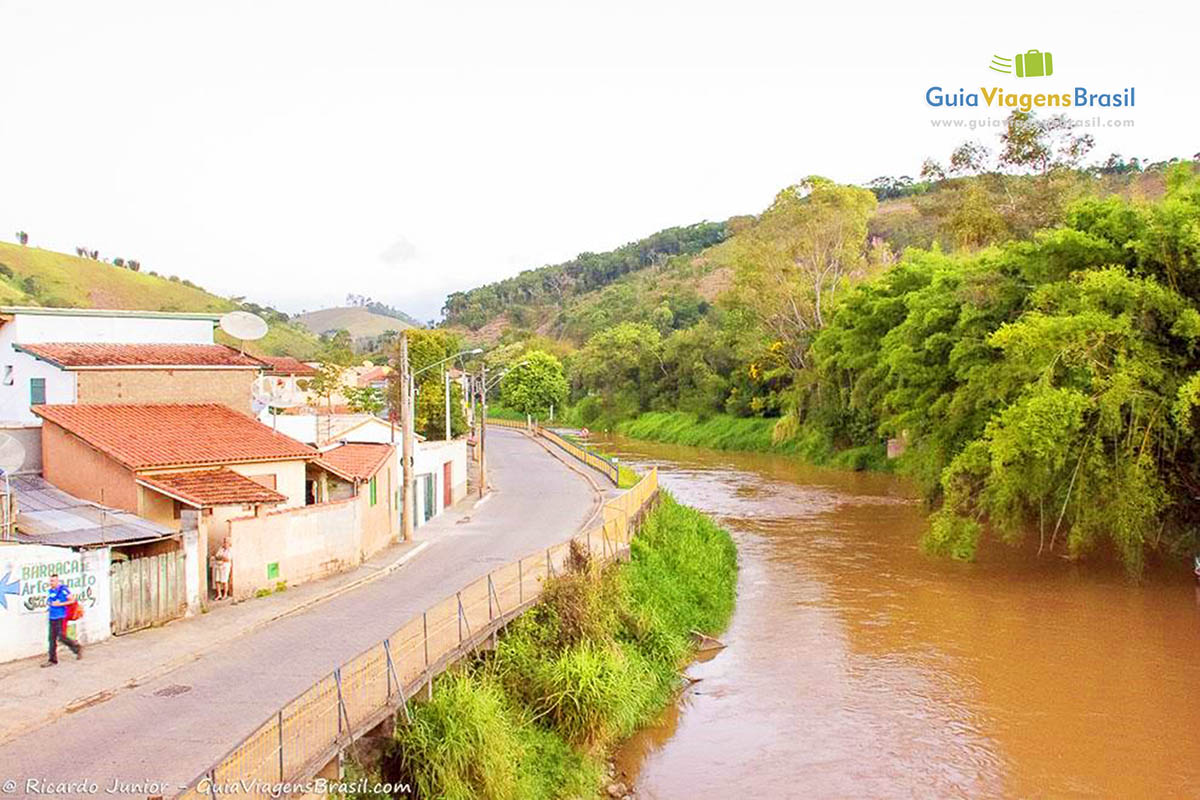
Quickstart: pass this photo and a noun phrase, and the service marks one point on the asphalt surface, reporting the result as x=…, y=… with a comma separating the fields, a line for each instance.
x=140, y=736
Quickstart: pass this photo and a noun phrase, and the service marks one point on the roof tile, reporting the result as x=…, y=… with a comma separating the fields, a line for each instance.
x=213, y=487
x=286, y=365
x=356, y=460
x=169, y=435
x=70, y=355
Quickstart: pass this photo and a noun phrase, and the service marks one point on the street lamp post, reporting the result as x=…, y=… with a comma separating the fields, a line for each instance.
x=406, y=442
x=408, y=380
x=482, y=435
x=446, y=380
x=483, y=383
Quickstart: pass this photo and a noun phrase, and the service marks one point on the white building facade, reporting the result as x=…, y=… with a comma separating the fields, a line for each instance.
x=26, y=380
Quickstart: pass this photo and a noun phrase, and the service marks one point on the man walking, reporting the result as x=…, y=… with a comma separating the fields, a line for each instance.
x=57, y=600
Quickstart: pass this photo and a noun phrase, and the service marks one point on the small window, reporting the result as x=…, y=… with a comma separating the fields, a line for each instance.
x=373, y=488
x=37, y=391
x=8, y=375
x=267, y=481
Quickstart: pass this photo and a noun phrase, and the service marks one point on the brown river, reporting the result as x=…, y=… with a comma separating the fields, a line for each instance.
x=856, y=666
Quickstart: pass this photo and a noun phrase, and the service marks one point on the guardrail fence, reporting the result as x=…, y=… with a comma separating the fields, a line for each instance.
x=303, y=736
x=581, y=453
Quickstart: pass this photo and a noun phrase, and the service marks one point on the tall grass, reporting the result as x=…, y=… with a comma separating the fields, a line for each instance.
x=497, y=411
x=722, y=431
x=597, y=658
x=754, y=434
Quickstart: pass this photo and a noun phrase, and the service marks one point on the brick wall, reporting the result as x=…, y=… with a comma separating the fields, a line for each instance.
x=229, y=387
x=78, y=469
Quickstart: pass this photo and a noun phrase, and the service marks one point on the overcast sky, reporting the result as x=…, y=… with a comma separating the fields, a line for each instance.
x=294, y=152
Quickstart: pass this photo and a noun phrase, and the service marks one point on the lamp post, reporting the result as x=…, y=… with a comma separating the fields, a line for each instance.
x=406, y=442
x=446, y=380
x=408, y=402
x=483, y=382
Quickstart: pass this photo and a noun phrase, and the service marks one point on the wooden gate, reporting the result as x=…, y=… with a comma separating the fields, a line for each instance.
x=148, y=591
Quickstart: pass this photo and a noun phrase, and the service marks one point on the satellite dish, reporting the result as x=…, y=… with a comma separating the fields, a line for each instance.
x=272, y=393
x=12, y=454
x=244, y=325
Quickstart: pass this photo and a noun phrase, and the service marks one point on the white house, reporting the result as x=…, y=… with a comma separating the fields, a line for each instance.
x=68, y=356
x=439, y=467
x=28, y=380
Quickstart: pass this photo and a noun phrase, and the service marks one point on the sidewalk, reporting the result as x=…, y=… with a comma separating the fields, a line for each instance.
x=33, y=697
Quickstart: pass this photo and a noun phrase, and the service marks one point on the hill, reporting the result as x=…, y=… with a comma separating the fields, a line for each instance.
x=360, y=322
x=37, y=277
x=673, y=278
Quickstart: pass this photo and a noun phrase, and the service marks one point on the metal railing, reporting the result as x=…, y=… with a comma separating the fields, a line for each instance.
x=304, y=735
x=508, y=423
x=594, y=460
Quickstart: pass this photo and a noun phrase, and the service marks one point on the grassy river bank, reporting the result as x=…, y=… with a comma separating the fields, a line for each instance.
x=597, y=658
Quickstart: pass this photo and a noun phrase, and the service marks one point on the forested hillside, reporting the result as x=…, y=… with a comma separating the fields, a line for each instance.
x=1025, y=322
x=525, y=299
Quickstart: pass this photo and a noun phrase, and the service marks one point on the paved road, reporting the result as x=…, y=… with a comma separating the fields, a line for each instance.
x=138, y=736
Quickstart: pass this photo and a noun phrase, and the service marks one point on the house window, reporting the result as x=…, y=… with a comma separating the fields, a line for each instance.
x=265, y=480
x=373, y=488
x=8, y=375
x=37, y=391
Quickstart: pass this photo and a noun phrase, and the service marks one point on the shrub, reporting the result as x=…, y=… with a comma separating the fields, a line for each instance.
x=596, y=658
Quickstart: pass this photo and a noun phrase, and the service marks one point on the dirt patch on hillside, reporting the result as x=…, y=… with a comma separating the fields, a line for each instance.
x=715, y=283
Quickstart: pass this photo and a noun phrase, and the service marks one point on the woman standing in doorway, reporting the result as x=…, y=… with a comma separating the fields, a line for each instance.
x=222, y=567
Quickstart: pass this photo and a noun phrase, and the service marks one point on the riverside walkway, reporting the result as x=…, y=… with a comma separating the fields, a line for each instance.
x=155, y=737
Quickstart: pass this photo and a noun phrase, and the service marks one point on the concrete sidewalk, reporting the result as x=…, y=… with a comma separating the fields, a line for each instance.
x=33, y=697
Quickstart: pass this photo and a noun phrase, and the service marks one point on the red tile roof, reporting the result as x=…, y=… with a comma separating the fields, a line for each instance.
x=212, y=487
x=356, y=461
x=286, y=365
x=147, y=436
x=74, y=355
x=373, y=375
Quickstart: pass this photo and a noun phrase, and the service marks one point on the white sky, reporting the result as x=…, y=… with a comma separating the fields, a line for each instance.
x=293, y=152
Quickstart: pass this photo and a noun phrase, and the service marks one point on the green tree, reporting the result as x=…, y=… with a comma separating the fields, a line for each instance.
x=618, y=367
x=796, y=261
x=535, y=384
x=365, y=399
x=337, y=348
x=327, y=382
x=430, y=411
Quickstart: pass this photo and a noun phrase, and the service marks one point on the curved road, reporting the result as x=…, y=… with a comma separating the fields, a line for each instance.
x=137, y=736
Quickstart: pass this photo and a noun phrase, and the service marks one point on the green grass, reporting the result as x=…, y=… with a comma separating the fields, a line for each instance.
x=596, y=659
x=752, y=434
x=496, y=411
x=46, y=278
x=721, y=432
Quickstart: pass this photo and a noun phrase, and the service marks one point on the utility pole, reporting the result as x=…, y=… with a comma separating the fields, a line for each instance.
x=406, y=439
x=483, y=435
x=446, y=380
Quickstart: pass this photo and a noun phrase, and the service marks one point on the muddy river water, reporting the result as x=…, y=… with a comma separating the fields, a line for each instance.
x=857, y=666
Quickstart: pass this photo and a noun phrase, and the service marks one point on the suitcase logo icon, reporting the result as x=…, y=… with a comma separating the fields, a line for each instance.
x=1030, y=64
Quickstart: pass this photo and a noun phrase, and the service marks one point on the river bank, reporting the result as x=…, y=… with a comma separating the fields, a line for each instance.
x=727, y=432
x=595, y=660
x=858, y=666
